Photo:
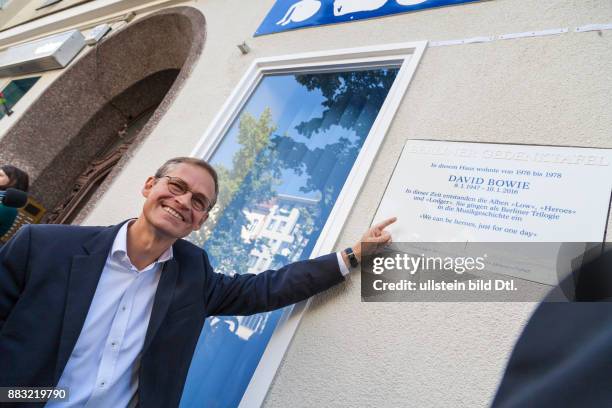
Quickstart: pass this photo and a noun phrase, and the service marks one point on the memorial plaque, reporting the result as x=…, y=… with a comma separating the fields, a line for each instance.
x=481, y=192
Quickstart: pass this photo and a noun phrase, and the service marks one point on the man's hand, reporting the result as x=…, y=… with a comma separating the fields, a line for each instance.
x=375, y=235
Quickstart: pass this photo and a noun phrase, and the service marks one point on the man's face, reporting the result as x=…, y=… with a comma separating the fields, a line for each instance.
x=174, y=215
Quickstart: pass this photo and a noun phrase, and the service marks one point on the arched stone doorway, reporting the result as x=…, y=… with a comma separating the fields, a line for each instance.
x=74, y=138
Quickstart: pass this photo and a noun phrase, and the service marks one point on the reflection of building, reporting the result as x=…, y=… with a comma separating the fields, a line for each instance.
x=278, y=228
x=243, y=326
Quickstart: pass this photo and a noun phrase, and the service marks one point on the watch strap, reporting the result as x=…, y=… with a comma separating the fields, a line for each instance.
x=352, y=257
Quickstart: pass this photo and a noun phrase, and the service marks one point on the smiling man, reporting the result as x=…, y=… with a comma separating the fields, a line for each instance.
x=177, y=202
x=113, y=314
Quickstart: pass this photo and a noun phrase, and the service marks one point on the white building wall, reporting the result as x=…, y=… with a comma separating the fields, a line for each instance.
x=548, y=90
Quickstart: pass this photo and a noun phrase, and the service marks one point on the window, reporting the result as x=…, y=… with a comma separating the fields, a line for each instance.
x=13, y=92
x=300, y=133
x=253, y=224
x=271, y=225
x=47, y=3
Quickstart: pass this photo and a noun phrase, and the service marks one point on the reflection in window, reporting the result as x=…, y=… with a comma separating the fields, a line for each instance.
x=13, y=92
x=271, y=225
x=252, y=261
x=286, y=157
x=47, y=3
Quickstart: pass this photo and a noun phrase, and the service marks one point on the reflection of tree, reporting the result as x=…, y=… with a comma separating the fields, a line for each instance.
x=325, y=168
x=250, y=180
x=346, y=94
x=352, y=101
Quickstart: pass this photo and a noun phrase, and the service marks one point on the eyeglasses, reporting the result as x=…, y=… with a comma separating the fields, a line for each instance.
x=178, y=187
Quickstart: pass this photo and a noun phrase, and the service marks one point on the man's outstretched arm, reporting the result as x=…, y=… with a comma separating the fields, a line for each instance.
x=248, y=293
x=272, y=289
x=13, y=271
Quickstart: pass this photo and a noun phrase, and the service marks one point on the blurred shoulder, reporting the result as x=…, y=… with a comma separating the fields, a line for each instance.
x=58, y=230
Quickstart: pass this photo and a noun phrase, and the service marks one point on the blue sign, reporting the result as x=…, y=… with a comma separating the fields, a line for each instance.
x=291, y=14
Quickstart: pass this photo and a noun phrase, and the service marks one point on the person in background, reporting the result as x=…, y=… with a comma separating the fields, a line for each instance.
x=11, y=177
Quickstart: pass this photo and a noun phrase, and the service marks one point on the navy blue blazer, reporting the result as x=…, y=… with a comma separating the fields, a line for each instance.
x=564, y=356
x=49, y=274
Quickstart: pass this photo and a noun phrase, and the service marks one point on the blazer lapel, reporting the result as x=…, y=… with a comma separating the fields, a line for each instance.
x=85, y=273
x=163, y=298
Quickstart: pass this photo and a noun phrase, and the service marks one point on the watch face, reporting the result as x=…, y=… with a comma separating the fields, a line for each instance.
x=351, y=256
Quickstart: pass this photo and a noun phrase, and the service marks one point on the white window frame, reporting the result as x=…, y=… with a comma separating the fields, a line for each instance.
x=405, y=55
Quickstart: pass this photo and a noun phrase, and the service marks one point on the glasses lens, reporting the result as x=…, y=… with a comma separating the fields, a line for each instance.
x=199, y=203
x=176, y=187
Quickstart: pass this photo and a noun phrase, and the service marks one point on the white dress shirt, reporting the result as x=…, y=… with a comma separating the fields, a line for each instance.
x=102, y=370
x=344, y=270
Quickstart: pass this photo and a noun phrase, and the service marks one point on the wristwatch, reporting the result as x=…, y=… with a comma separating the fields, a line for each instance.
x=352, y=257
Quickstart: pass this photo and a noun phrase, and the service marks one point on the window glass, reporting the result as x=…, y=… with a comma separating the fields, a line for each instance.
x=253, y=224
x=287, y=155
x=47, y=3
x=13, y=92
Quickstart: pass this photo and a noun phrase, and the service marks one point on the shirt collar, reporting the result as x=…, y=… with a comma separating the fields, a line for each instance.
x=119, y=249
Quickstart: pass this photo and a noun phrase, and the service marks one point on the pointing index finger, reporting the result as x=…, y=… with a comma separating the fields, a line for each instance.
x=385, y=223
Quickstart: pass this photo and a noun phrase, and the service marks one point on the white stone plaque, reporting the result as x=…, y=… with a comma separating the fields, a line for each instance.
x=480, y=192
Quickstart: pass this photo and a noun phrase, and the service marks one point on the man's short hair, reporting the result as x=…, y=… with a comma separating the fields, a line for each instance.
x=170, y=164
